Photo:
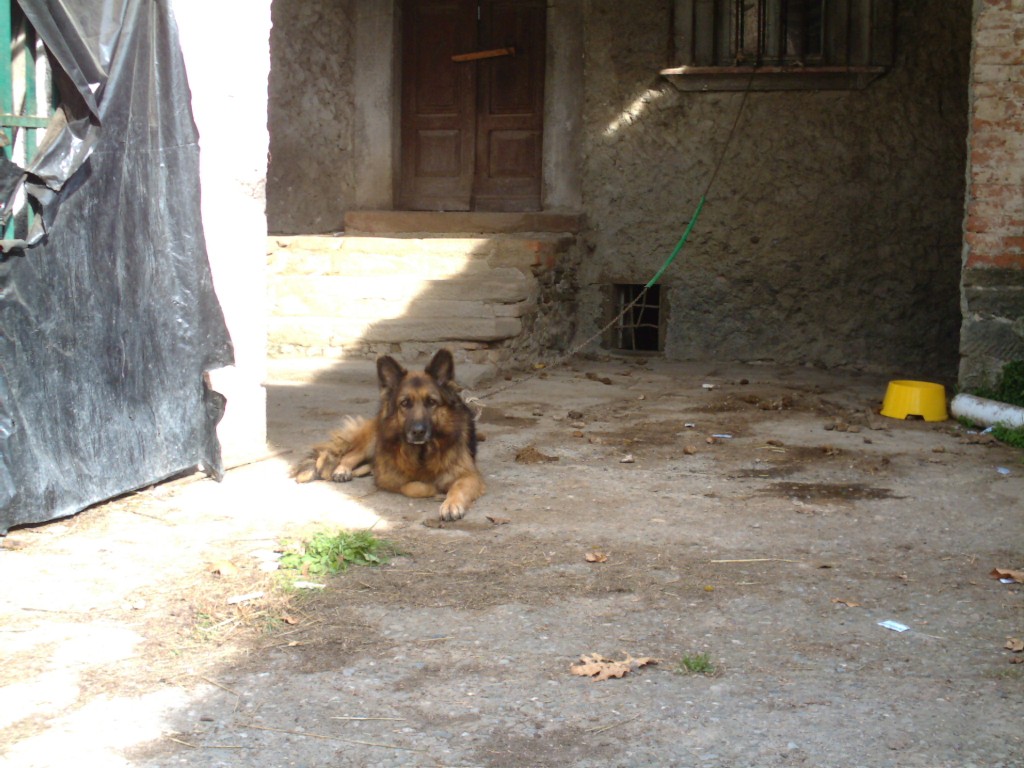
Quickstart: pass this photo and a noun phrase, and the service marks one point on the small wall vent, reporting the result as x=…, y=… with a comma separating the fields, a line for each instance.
x=640, y=327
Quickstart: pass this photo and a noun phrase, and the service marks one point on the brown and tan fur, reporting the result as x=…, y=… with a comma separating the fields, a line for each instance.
x=421, y=443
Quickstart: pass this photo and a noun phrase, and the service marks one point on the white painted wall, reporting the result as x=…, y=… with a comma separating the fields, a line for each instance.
x=227, y=54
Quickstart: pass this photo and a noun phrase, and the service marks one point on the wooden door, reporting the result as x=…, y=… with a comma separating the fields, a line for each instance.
x=472, y=126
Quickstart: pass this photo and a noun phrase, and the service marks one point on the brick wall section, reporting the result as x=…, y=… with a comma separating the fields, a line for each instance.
x=992, y=333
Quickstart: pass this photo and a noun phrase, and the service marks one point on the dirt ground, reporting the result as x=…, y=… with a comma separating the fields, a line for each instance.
x=624, y=529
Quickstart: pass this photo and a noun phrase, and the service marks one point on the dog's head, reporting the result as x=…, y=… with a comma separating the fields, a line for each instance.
x=416, y=396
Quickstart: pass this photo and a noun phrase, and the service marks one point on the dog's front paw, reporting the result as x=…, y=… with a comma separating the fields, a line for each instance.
x=341, y=474
x=452, y=510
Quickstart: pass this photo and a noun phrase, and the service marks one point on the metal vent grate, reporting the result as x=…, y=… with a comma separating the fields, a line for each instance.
x=638, y=328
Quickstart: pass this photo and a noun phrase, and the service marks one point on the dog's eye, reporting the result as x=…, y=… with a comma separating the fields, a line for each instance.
x=430, y=402
x=405, y=402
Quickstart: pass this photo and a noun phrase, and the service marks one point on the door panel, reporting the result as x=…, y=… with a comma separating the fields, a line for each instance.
x=438, y=105
x=471, y=130
x=511, y=106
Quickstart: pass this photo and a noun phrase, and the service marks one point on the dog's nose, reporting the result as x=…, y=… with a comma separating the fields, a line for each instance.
x=418, y=432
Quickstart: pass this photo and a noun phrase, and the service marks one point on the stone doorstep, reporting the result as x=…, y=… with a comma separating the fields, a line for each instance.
x=361, y=370
x=356, y=255
x=328, y=331
x=332, y=295
x=461, y=222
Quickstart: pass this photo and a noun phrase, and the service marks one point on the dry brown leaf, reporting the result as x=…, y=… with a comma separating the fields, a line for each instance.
x=1014, y=644
x=530, y=455
x=499, y=520
x=1004, y=573
x=847, y=603
x=597, y=667
x=597, y=557
x=225, y=568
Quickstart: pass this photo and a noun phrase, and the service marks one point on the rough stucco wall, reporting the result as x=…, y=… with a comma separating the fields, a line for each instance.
x=310, y=177
x=993, y=280
x=832, y=233
x=228, y=92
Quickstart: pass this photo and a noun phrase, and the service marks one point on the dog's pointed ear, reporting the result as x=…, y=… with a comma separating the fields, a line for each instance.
x=442, y=367
x=389, y=372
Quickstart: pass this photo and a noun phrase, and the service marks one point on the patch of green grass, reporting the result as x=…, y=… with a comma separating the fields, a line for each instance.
x=1010, y=435
x=326, y=553
x=1009, y=387
x=695, y=664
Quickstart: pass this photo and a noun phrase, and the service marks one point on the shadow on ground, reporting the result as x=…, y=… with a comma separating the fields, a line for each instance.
x=766, y=518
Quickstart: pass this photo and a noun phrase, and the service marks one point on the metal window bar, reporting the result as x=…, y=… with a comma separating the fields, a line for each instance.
x=760, y=33
x=25, y=107
x=639, y=327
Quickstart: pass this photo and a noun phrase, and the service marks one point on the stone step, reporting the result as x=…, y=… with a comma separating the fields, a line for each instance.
x=449, y=223
x=332, y=295
x=439, y=257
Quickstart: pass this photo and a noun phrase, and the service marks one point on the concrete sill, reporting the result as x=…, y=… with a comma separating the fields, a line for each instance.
x=772, y=78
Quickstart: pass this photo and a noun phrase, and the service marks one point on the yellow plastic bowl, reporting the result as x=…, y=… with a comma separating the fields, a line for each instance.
x=915, y=398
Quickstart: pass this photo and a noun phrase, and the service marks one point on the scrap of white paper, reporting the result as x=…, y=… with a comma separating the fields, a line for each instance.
x=895, y=626
x=244, y=598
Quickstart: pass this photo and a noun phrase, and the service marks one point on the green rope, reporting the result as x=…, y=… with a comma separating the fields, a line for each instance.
x=679, y=246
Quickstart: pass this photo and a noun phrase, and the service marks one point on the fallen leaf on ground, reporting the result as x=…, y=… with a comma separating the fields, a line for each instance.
x=597, y=667
x=499, y=520
x=1014, y=644
x=224, y=568
x=1003, y=573
x=530, y=455
x=978, y=440
x=847, y=603
x=597, y=557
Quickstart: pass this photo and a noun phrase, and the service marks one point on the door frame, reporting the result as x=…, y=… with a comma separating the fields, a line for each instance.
x=376, y=101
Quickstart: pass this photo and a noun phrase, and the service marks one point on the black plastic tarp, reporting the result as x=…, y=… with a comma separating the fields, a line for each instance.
x=108, y=317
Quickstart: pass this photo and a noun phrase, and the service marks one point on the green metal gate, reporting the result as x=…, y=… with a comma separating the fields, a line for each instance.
x=26, y=97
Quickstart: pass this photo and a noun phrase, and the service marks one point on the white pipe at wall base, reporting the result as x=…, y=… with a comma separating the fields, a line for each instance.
x=980, y=410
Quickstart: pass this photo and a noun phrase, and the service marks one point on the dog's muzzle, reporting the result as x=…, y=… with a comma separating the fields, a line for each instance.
x=417, y=433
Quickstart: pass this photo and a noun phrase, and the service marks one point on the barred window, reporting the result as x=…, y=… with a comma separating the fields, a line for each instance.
x=775, y=44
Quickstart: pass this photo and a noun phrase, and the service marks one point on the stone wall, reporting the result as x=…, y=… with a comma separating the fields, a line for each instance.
x=310, y=179
x=832, y=233
x=993, y=275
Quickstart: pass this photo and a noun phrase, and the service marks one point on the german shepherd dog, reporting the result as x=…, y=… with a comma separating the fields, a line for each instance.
x=421, y=443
